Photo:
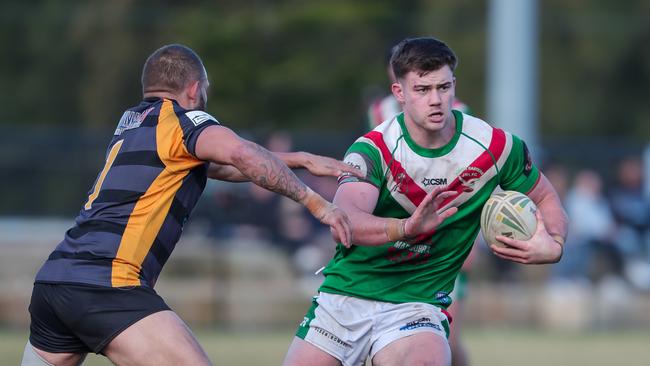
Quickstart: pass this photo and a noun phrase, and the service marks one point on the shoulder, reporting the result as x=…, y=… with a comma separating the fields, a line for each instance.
x=384, y=132
x=475, y=124
x=476, y=128
x=198, y=117
x=369, y=151
x=194, y=116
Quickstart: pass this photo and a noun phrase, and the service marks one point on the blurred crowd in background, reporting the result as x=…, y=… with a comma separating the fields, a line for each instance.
x=609, y=235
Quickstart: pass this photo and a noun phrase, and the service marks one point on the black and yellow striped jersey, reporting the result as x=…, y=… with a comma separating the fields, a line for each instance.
x=136, y=209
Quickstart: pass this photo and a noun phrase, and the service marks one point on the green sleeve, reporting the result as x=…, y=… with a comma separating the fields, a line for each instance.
x=366, y=158
x=519, y=173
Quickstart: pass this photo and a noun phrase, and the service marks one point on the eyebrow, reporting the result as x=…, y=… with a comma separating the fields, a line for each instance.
x=418, y=85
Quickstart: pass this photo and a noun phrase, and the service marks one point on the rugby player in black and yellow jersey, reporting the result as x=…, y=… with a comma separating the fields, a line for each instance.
x=95, y=292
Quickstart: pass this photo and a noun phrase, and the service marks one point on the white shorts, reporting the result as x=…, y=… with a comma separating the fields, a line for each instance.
x=351, y=329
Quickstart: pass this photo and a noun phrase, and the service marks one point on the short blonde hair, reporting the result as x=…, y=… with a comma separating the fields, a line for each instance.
x=171, y=68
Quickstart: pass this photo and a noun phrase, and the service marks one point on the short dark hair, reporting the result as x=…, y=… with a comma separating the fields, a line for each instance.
x=171, y=68
x=421, y=55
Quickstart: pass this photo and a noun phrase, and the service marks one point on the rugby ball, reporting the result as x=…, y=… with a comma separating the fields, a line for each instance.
x=508, y=213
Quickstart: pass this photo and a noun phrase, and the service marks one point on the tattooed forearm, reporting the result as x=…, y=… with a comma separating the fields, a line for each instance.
x=266, y=170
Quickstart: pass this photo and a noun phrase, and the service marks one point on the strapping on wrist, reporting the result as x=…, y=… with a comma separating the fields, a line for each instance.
x=395, y=229
x=317, y=205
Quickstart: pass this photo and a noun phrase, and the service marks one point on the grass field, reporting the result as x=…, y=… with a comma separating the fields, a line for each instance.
x=487, y=347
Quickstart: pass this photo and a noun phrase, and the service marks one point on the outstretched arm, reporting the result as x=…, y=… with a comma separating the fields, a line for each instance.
x=316, y=164
x=222, y=146
x=358, y=200
x=546, y=245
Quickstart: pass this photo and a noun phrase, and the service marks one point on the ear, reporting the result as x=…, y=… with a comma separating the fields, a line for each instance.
x=194, y=91
x=398, y=92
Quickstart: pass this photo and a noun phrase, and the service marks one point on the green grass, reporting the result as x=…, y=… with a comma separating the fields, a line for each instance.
x=487, y=347
x=535, y=348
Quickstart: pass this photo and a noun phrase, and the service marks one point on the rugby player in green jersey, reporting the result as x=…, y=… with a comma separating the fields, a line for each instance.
x=415, y=215
x=380, y=110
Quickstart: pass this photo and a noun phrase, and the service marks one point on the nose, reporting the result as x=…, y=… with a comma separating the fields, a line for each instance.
x=434, y=98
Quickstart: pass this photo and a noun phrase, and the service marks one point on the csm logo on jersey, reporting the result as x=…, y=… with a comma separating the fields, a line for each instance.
x=198, y=117
x=434, y=182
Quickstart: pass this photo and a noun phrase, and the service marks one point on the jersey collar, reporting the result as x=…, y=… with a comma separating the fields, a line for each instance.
x=432, y=153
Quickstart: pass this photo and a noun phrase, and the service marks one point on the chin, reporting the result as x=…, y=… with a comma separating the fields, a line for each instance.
x=436, y=124
x=436, y=129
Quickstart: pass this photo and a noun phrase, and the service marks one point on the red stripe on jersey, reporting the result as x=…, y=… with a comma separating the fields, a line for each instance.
x=405, y=183
x=415, y=194
x=481, y=164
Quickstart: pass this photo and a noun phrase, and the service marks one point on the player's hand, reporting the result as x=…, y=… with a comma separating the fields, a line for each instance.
x=539, y=249
x=324, y=166
x=428, y=216
x=329, y=214
x=339, y=223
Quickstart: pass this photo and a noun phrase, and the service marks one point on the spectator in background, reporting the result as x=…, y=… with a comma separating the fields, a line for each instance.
x=292, y=227
x=559, y=178
x=245, y=210
x=592, y=230
x=260, y=210
x=632, y=213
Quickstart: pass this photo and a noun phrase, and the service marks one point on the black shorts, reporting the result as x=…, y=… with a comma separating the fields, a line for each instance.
x=79, y=318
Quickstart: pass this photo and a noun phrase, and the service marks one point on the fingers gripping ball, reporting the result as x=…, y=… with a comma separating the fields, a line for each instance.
x=508, y=213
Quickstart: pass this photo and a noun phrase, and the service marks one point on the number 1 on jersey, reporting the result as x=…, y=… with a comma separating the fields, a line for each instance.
x=100, y=180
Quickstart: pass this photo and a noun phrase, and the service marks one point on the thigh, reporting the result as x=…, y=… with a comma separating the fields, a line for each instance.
x=413, y=332
x=337, y=325
x=425, y=348
x=303, y=353
x=159, y=339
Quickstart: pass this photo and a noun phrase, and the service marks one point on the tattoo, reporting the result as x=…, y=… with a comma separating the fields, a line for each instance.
x=266, y=170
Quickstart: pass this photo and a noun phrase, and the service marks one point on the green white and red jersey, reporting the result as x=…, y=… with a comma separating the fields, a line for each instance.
x=477, y=160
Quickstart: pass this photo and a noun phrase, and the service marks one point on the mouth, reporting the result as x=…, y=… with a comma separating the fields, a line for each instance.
x=436, y=116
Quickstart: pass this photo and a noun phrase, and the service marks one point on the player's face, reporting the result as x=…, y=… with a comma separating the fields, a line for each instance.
x=427, y=99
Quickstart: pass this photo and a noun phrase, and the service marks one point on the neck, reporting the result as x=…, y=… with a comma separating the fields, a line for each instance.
x=431, y=139
x=181, y=99
x=159, y=94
